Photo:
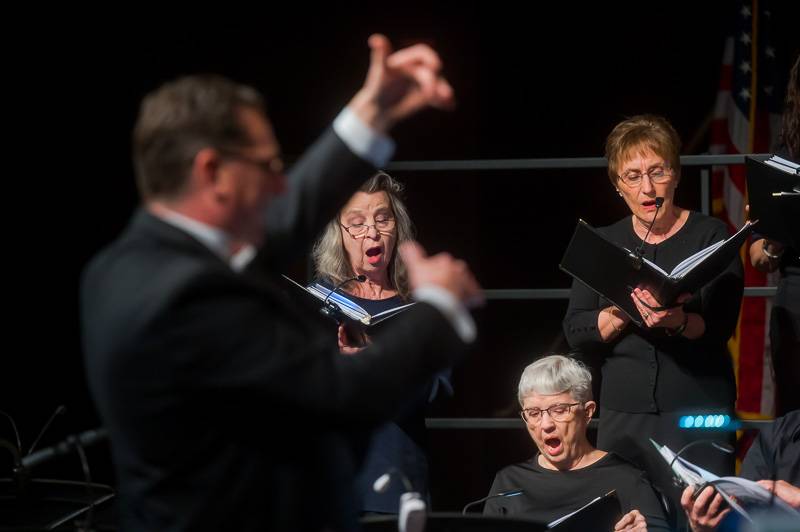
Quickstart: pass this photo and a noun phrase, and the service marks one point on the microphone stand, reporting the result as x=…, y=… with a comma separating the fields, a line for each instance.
x=60, y=410
x=508, y=493
x=636, y=255
x=19, y=476
x=331, y=309
x=75, y=442
x=23, y=465
x=412, y=513
x=724, y=447
x=21, y=469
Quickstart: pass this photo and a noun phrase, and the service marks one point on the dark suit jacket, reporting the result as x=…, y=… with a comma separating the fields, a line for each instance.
x=227, y=408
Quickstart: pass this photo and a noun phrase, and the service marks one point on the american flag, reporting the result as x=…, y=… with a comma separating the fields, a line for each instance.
x=747, y=120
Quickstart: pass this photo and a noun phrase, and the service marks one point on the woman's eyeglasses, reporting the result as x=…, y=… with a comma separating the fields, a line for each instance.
x=558, y=412
x=657, y=175
x=381, y=225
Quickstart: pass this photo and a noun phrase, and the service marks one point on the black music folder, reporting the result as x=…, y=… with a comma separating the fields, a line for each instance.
x=344, y=310
x=773, y=192
x=601, y=513
x=613, y=271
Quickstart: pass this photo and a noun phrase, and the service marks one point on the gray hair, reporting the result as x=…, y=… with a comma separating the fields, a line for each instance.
x=556, y=374
x=330, y=258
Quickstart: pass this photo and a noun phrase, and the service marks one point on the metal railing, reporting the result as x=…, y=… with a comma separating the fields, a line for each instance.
x=705, y=161
x=473, y=423
x=562, y=162
x=570, y=163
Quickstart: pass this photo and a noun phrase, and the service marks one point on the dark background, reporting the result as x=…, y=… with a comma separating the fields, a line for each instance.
x=535, y=81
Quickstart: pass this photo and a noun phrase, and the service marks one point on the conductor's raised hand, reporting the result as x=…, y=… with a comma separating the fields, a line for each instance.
x=398, y=84
x=441, y=270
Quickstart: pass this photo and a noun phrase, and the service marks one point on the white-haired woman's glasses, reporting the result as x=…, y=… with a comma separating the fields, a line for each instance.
x=558, y=412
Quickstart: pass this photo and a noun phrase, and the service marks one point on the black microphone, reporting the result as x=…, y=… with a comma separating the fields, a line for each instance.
x=60, y=410
x=75, y=441
x=507, y=493
x=21, y=472
x=329, y=308
x=636, y=255
x=16, y=452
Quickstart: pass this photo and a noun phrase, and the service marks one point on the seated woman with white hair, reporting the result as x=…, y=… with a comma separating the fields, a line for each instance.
x=567, y=472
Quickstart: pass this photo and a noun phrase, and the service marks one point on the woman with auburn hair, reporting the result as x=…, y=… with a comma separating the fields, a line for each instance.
x=677, y=362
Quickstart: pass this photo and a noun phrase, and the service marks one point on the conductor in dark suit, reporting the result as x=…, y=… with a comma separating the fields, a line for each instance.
x=227, y=407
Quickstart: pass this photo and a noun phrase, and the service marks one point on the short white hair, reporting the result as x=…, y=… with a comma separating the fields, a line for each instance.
x=556, y=374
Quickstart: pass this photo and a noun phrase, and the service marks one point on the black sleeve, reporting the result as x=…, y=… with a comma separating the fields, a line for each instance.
x=720, y=300
x=580, y=322
x=319, y=184
x=646, y=500
x=253, y=354
x=755, y=465
x=496, y=505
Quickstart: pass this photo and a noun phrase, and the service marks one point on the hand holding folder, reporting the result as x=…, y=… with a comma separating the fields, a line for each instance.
x=742, y=495
x=354, y=321
x=657, y=315
x=613, y=273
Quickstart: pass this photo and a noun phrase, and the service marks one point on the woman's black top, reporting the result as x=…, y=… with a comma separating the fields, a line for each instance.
x=549, y=494
x=645, y=370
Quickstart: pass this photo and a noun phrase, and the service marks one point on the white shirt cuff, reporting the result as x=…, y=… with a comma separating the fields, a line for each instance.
x=362, y=140
x=452, y=309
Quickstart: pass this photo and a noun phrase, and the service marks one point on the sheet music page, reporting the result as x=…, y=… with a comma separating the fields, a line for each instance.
x=686, y=265
x=347, y=307
x=350, y=308
x=783, y=164
x=393, y=309
x=747, y=491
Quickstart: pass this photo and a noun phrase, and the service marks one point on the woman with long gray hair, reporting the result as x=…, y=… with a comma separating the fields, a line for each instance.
x=362, y=241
